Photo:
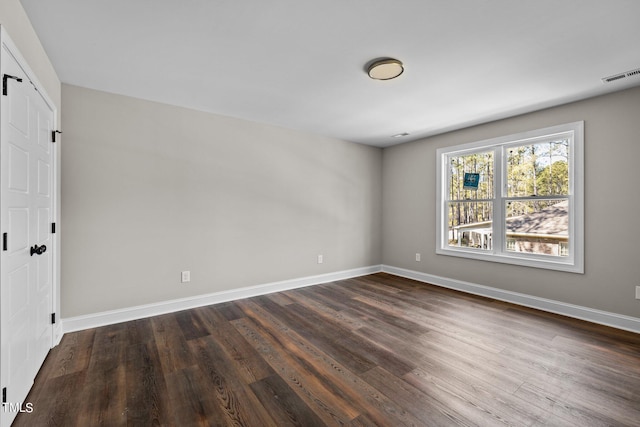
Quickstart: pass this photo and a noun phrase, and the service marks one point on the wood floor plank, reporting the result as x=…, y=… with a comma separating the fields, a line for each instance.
x=343, y=317
x=301, y=376
x=172, y=346
x=441, y=350
x=571, y=410
x=578, y=392
x=57, y=404
x=498, y=406
x=424, y=406
x=238, y=405
x=281, y=298
x=191, y=324
x=191, y=399
x=286, y=406
x=230, y=310
x=147, y=391
x=373, y=351
x=612, y=380
x=103, y=400
x=139, y=331
x=247, y=363
x=346, y=384
x=322, y=335
x=449, y=324
x=598, y=354
x=378, y=350
x=74, y=353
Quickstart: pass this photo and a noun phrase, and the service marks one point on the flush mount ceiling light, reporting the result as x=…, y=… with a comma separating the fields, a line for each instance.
x=385, y=69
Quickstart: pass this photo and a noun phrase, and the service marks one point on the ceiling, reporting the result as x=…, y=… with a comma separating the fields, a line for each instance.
x=301, y=64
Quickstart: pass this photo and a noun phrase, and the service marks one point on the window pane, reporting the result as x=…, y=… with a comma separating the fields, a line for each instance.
x=470, y=225
x=538, y=226
x=477, y=163
x=540, y=169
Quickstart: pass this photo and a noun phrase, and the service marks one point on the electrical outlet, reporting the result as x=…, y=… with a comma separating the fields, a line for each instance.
x=185, y=277
x=320, y=259
x=418, y=258
x=637, y=292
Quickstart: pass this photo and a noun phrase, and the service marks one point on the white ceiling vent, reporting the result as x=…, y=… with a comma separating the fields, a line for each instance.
x=615, y=77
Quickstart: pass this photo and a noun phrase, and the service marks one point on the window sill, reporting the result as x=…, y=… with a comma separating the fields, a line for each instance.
x=543, y=261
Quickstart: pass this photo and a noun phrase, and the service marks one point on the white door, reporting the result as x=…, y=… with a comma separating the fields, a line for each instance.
x=26, y=209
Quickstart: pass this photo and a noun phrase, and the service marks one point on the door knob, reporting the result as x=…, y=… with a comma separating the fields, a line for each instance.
x=38, y=250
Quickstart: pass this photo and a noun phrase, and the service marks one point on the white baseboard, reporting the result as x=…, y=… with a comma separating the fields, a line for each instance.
x=614, y=320
x=104, y=318
x=139, y=312
x=57, y=333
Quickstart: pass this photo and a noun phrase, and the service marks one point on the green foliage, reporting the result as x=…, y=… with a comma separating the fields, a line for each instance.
x=554, y=179
x=538, y=169
x=481, y=163
x=533, y=169
x=461, y=211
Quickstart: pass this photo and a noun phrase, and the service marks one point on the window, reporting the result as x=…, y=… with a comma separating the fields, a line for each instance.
x=515, y=199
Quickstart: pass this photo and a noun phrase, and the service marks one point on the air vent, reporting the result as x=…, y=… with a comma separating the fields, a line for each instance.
x=615, y=77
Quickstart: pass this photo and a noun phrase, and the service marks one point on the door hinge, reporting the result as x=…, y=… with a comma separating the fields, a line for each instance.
x=53, y=135
x=53, y=228
x=4, y=241
x=53, y=318
x=4, y=395
x=4, y=82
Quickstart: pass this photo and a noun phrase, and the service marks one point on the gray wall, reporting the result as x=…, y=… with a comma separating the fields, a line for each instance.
x=150, y=190
x=612, y=162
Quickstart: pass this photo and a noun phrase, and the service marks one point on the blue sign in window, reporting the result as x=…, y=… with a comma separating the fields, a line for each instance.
x=471, y=181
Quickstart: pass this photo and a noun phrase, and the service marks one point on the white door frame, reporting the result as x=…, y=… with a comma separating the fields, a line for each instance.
x=7, y=45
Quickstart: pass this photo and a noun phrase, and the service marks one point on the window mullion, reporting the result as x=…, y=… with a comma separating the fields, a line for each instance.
x=498, y=202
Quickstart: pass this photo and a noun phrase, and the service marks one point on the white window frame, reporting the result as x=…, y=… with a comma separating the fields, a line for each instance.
x=575, y=261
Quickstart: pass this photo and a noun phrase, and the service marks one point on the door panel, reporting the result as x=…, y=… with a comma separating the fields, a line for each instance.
x=44, y=224
x=19, y=112
x=18, y=294
x=18, y=165
x=44, y=177
x=26, y=208
x=44, y=131
x=18, y=229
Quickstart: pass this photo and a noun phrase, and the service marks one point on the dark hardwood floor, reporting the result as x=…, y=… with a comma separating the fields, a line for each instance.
x=378, y=350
